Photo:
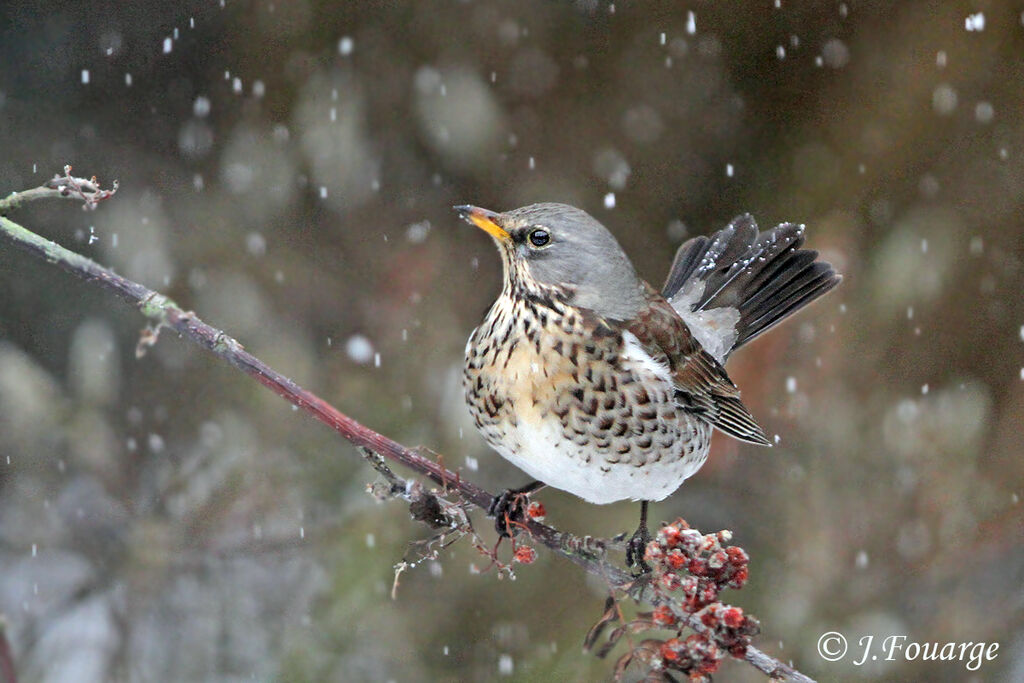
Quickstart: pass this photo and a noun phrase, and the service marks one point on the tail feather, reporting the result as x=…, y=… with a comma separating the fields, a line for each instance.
x=762, y=276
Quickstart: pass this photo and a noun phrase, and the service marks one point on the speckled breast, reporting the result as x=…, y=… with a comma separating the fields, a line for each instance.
x=568, y=401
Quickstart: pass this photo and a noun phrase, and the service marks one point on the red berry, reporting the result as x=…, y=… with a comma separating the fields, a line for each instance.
x=739, y=579
x=698, y=567
x=737, y=555
x=663, y=616
x=524, y=554
x=733, y=617
x=717, y=560
x=536, y=511
x=654, y=552
x=671, y=582
x=671, y=649
x=669, y=535
x=676, y=559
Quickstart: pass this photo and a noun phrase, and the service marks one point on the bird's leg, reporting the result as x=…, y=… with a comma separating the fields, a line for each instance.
x=507, y=507
x=637, y=544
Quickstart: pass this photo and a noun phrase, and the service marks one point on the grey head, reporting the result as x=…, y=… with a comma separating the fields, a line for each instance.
x=560, y=246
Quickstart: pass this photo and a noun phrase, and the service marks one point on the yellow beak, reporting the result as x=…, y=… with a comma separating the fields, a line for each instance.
x=483, y=219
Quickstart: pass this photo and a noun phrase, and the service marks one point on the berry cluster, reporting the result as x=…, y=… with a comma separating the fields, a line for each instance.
x=689, y=571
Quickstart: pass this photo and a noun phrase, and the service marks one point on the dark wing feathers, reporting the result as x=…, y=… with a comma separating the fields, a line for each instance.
x=702, y=385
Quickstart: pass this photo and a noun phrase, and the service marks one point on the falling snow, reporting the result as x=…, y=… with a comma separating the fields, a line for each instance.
x=359, y=349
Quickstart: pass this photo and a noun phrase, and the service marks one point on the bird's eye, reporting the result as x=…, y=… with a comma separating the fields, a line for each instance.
x=539, y=237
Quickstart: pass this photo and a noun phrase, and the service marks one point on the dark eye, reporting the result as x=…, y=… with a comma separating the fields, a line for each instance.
x=539, y=237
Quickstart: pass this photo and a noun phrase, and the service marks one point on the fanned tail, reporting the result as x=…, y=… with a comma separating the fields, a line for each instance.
x=739, y=283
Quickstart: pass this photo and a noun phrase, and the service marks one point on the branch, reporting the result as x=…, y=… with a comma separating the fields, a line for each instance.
x=586, y=552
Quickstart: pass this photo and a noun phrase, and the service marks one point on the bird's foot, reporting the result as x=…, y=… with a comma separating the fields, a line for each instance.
x=508, y=508
x=636, y=547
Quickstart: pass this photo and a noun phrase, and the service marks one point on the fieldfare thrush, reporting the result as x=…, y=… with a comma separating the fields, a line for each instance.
x=591, y=381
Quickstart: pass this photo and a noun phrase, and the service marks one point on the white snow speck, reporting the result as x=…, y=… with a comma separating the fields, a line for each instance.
x=924, y=390
x=924, y=245
x=255, y=244
x=1022, y=332
x=168, y=45
x=691, y=23
x=359, y=349
x=201, y=107
x=445, y=650
x=835, y=53
x=472, y=464
x=376, y=359
x=944, y=99
x=661, y=38
x=941, y=59
x=302, y=532
x=128, y=80
x=609, y=200
x=984, y=112
x=35, y=550
x=345, y=46
x=531, y=163
x=85, y=77
x=259, y=89
x=323, y=192
x=236, y=85
x=371, y=541
x=862, y=560
x=417, y=232
x=791, y=385
x=505, y=665
x=780, y=51
x=729, y=170
x=975, y=22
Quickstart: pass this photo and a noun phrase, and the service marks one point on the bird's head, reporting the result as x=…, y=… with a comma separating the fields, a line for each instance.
x=562, y=250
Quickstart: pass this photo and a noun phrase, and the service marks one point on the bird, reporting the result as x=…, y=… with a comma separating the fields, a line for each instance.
x=592, y=381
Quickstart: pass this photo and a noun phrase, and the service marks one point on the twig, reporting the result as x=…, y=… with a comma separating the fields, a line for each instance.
x=163, y=312
x=66, y=186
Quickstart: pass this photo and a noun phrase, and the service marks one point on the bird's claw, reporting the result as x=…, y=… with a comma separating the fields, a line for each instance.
x=636, y=548
x=508, y=509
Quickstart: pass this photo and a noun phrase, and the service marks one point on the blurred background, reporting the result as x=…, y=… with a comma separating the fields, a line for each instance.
x=287, y=171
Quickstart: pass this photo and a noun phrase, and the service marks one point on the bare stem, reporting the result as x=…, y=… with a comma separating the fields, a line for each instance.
x=585, y=552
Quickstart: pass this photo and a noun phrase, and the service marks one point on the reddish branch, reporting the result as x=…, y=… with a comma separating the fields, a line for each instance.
x=586, y=552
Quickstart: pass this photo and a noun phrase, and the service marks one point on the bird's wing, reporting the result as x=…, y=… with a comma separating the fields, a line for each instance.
x=702, y=385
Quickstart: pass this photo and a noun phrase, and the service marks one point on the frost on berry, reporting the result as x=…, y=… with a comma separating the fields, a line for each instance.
x=689, y=571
